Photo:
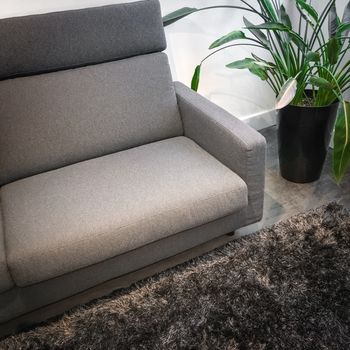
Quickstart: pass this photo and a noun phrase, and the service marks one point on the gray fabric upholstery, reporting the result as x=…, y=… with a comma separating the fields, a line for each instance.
x=97, y=178
x=62, y=40
x=229, y=140
x=6, y=282
x=22, y=300
x=66, y=219
x=52, y=120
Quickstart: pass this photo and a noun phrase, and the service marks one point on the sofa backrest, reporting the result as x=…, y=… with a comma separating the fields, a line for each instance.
x=81, y=84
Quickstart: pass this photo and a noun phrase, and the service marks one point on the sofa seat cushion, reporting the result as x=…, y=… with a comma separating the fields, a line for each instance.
x=59, y=221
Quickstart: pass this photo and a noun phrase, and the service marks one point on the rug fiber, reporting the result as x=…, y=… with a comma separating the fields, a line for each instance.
x=285, y=287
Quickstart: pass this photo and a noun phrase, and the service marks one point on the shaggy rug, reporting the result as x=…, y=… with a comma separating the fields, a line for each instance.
x=285, y=287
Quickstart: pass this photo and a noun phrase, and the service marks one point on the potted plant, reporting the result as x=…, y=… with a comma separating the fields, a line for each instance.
x=308, y=72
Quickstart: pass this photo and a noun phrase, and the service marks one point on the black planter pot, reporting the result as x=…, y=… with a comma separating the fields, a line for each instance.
x=304, y=134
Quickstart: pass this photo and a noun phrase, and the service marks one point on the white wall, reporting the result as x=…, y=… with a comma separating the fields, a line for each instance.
x=238, y=91
x=188, y=40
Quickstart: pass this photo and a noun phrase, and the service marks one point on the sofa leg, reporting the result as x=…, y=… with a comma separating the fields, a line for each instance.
x=231, y=233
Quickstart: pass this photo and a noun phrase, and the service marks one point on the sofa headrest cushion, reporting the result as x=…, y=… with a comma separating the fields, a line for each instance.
x=63, y=40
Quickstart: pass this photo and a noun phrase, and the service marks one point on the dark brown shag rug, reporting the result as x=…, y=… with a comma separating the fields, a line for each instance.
x=285, y=287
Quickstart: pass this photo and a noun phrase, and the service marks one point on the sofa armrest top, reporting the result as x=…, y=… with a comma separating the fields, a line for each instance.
x=190, y=101
x=228, y=139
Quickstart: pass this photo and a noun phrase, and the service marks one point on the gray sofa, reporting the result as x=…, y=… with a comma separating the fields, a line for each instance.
x=106, y=165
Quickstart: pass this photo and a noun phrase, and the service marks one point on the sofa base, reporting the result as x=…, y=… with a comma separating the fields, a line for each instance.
x=34, y=318
x=53, y=297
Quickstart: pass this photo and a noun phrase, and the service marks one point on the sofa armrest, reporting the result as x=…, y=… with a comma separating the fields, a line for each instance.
x=231, y=141
x=6, y=281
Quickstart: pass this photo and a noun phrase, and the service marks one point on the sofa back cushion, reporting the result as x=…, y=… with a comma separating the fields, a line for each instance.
x=60, y=40
x=62, y=117
x=52, y=120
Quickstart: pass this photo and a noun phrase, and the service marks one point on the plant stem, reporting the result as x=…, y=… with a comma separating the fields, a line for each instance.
x=323, y=16
x=249, y=9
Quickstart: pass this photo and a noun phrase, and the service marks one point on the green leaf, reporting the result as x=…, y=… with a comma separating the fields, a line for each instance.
x=195, y=78
x=280, y=27
x=287, y=93
x=241, y=64
x=177, y=15
x=333, y=50
x=321, y=82
x=270, y=9
x=260, y=60
x=270, y=26
x=285, y=18
x=333, y=21
x=235, y=35
x=341, y=151
x=312, y=56
x=346, y=14
x=344, y=27
x=257, y=33
x=346, y=18
x=307, y=11
x=257, y=68
x=259, y=71
x=249, y=62
x=298, y=41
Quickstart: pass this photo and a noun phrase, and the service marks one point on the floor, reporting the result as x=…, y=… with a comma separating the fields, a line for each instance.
x=282, y=199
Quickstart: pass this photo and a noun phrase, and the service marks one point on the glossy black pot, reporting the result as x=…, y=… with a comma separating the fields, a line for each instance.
x=304, y=134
